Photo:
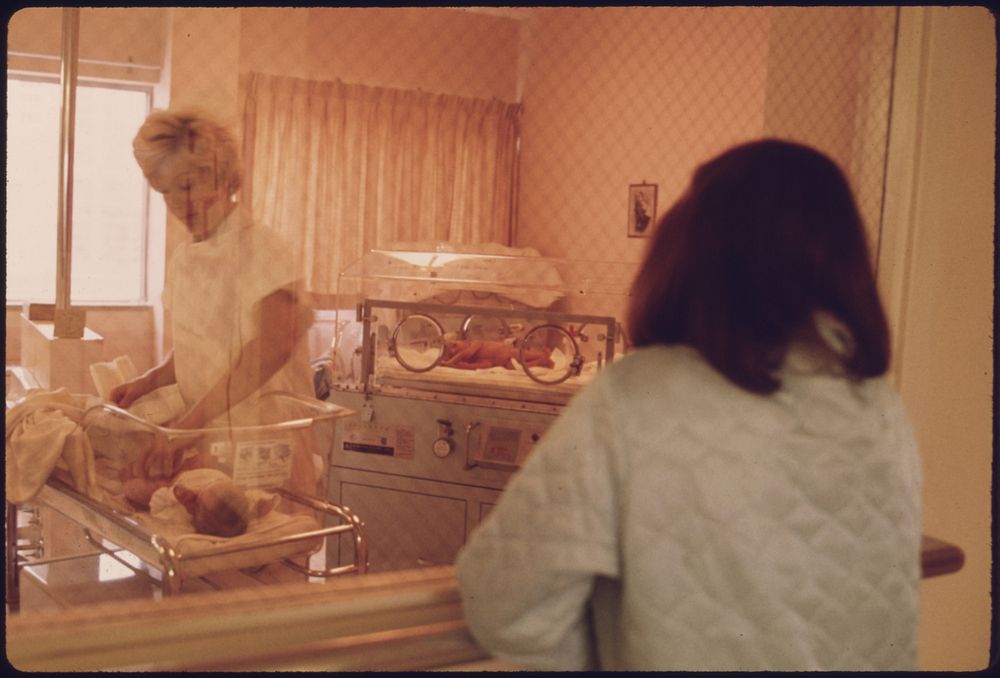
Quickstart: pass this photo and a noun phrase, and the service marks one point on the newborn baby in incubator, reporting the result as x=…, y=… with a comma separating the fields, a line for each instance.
x=483, y=354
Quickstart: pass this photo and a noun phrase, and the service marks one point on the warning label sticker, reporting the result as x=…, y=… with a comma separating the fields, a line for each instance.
x=369, y=438
x=262, y=462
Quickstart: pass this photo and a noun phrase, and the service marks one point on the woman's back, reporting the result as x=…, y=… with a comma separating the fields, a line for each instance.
x=786, y=527
x=742, y=490
x=727, y=530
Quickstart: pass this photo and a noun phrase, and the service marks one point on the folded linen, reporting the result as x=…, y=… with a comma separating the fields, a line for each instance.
x=158, y=406
x=43, y=434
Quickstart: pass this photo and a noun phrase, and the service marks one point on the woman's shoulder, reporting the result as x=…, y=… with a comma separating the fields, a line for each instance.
x=665, y=383
x=266, y=242
x=684, y=368
x=672, y=366
x=676, y=383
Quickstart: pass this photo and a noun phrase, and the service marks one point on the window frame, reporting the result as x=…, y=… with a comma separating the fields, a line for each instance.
x=148, y=89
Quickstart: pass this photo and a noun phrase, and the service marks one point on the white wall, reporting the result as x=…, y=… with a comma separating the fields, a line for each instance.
x=936, y=272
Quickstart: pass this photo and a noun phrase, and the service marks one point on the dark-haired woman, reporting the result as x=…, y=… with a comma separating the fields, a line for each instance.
x=741, y=492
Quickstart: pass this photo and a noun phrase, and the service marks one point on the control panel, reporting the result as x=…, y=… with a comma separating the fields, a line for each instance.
x=422, y=474
x=504, y=445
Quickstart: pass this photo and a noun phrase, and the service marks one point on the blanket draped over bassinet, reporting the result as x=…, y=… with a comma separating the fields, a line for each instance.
x=66, y=451
x=46, y=438
x=43, y=436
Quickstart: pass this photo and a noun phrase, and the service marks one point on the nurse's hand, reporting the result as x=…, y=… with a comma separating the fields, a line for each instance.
x=125, y=394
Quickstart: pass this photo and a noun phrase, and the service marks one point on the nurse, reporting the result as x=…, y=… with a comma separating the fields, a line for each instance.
x=237, y=307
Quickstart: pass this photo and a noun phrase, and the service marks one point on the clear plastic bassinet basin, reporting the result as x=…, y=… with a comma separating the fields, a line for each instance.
x=286, y=446
x=284, y=452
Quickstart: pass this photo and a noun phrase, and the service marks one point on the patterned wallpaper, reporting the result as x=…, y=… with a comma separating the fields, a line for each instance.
x=613, y=96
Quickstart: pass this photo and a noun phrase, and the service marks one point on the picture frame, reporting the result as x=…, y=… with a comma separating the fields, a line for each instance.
x=641, y=209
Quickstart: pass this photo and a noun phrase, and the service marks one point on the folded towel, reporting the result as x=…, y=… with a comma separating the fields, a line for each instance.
x=158, y=406
x=110, y=374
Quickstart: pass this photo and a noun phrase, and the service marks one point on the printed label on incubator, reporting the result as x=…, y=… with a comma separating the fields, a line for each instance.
x=404, y=442
x=502, y=445
x=392, y=441
x=262, y=462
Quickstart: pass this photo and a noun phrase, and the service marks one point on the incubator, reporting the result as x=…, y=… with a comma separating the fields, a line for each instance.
x=456, y=360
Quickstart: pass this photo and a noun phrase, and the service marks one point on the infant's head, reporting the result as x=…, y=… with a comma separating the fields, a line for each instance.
x=220, y=508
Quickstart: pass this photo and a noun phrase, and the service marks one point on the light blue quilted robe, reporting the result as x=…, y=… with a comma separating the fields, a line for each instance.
x=670, y=520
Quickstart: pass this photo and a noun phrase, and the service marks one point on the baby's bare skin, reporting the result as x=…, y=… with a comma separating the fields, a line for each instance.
x=480, y=354
x=138, y=488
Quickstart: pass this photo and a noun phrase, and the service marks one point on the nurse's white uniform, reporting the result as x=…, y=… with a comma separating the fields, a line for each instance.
x=213, y=290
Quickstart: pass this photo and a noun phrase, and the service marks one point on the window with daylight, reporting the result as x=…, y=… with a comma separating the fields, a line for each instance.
x=109, y=193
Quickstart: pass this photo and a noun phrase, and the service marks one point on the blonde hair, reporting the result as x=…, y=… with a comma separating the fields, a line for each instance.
x=194, y=137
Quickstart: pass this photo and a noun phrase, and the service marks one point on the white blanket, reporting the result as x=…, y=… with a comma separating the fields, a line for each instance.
x=169, y=519
x=260, y=535
x=43, y=435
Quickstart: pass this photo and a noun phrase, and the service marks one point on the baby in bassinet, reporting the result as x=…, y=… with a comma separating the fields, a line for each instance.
x=206, y=496
x=182, y=485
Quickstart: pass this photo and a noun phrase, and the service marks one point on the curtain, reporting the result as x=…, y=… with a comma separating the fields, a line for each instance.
x=340, y=168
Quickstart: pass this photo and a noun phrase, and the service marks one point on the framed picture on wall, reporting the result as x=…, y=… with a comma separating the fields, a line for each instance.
x=641, y=209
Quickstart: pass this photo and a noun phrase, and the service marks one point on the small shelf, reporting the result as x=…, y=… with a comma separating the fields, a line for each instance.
x=939, y=557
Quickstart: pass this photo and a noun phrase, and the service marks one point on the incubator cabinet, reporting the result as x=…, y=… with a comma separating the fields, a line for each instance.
x=456, y=360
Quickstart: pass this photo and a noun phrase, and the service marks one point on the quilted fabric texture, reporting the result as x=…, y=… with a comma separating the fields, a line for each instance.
x=670, y=520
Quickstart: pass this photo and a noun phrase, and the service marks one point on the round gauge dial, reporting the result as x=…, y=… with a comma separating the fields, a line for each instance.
x=443, y=447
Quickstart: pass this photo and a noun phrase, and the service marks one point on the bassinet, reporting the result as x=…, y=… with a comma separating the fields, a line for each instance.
x=286, y=458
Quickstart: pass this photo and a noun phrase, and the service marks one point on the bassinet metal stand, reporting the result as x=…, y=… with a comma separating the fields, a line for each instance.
x=157, y=551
